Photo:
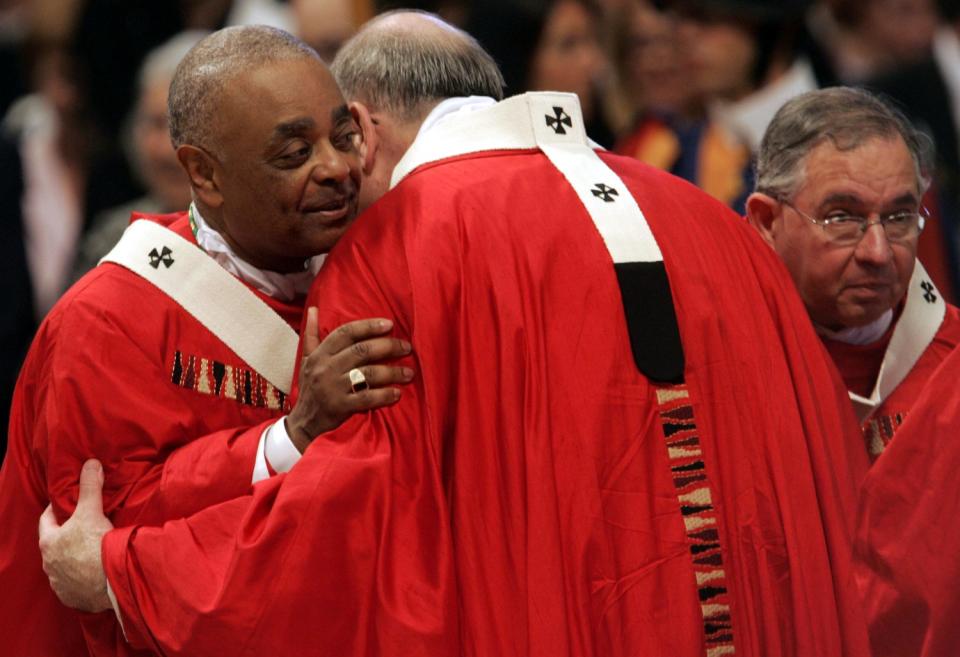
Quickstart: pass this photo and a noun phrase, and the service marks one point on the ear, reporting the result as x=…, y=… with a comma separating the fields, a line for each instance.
x=201, y=169
x=371, y=139
x=763, y=212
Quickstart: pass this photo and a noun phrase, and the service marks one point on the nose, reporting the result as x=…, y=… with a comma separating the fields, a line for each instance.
x=874, y=247
x=331, y=165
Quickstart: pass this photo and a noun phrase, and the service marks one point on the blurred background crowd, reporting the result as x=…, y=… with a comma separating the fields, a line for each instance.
x=685, y=85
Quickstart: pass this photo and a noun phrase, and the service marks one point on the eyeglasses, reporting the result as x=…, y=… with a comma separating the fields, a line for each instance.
x=844, y=228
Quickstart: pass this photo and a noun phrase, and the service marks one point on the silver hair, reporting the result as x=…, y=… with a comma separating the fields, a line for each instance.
x=845, y=116
x=205, y=71
x=402, y=62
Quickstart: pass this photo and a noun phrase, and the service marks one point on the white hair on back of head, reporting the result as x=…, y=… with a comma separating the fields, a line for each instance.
x=404, y=61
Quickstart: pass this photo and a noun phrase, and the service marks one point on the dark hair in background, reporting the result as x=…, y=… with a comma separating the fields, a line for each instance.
x=510, y=32
x=949, y=9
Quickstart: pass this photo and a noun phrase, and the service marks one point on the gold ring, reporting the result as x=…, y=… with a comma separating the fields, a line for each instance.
x=358, y=382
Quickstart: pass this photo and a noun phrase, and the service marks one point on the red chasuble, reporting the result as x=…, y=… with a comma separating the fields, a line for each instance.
x=119, y=371
x=860, y=365
x=532, y=494
x=908, y=538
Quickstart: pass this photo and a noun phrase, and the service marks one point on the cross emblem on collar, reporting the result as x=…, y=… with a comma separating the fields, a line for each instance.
x=558, y=120
x=164, y=256
x=928, y=294
x=604, y=192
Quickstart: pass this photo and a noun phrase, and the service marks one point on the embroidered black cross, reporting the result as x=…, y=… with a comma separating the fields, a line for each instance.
x=163, y=256
x=928, y=294
x=604, y=192
x=560, y=119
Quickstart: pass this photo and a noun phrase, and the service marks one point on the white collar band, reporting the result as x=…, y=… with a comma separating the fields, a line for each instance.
x=285, y=287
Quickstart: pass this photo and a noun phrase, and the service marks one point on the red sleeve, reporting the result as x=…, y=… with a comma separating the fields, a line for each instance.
x=907, y=534
x=105, y=393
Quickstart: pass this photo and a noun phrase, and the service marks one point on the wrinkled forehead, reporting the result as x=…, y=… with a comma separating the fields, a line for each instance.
x=877, y=170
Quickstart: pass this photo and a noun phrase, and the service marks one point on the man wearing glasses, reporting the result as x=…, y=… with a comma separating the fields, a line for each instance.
x=840, y=178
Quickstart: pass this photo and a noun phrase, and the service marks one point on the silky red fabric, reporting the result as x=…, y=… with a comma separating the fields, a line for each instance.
x=98, y=383
x=859, y=366
x=907, y=535
x=519, y=500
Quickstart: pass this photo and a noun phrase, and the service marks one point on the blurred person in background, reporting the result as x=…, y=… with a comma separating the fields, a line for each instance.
x=928, y=90
x=671, y=129
x=150, y=152
x=52, y=129
x=867, y=38
x=326, y=24
x=548, y=46
x=746, y=58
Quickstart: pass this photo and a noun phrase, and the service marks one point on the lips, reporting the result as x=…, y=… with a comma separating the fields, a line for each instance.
x=334, y=208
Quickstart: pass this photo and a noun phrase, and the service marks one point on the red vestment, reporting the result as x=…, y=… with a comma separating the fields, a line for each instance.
x=860, y=365
x=532, y=493
x=120, y=372
x=908, y=537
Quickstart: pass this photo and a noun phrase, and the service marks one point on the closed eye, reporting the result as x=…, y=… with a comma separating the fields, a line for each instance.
x=348, y=139
x=295, y=154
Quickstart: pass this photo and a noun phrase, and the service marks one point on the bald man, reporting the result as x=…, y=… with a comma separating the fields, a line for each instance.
x=621, y=439
x=172, y=361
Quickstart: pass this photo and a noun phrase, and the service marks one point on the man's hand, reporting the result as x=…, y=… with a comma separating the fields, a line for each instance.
x=326, y=398
x=71, y=553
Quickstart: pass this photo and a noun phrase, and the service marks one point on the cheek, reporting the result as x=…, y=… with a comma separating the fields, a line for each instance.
x=815, y=271
x=905, y=260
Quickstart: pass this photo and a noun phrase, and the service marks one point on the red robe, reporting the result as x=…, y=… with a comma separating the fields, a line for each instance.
x=908, y=537
x=532, y=493
x=859, y=366
x=102, y=379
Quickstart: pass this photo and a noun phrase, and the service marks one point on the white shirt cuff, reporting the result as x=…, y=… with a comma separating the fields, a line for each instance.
x=116, y=608
x=280, y=451
x=275, y=448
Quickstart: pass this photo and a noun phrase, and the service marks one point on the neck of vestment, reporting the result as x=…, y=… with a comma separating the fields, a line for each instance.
x=283, y=286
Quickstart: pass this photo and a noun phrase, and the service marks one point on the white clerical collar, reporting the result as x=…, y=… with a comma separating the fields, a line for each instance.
x=749, y=117
x=460, y=105
x=859, y=335
x=946, y=52
x=281, y=286
x=458, y=126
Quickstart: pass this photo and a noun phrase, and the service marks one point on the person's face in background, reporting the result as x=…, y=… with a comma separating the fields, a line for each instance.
x=326, y=24
x=568, y=56
x=720, y=54
x=651, y=68
x=156, y=160
x=900, y=30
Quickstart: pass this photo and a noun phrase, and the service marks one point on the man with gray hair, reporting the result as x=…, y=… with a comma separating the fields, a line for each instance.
x=840, y=180
x=172, y=362
x=619, y=441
